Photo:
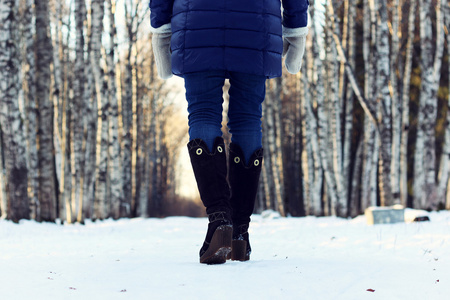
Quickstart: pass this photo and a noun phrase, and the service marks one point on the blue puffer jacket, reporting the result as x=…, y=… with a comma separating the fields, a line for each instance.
x=232, y=35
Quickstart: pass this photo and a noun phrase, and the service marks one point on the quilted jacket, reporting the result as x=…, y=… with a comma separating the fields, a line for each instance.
x=231, y=35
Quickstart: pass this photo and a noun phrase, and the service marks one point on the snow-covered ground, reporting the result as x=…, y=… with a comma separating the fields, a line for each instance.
x=293, y=258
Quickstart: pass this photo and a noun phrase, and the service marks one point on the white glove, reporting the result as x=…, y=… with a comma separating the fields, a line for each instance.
x=294, y=42
x=161, y=50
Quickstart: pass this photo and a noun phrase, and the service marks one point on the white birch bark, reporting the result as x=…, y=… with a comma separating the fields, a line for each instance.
x=78, y=120
x=273, y=142
x=385, y=101
x=44, y=51
x=65, y=187
x=298, y=134
x=89, y=110
x=348, y=115
x=30, y=102
x=306, y=159
x=127, y=104
x=105, y=206
x=444, y=166
x=278, y=159
x=322, y=133
x=368, y=189
x=101, y=204
x=65, y=180
x=355, y=194
x=405, y=105
x=57, y=86
x=124, y=209
x=316, y=189
x=143, y=163
x=153, y=152
x=3, y=196
x=425, y=193
x=335, y=99
x=441, y=6
x=396, y=103
x=11, y=120
x=313, y=122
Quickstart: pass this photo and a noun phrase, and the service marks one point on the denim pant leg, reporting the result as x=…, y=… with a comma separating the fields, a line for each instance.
x=247, y=93
x=204, y=96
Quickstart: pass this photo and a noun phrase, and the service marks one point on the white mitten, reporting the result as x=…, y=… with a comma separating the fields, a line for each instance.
x=161, y=50
x=294, y=42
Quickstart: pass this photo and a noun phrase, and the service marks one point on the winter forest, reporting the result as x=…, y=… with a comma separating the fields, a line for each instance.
x=89, y=131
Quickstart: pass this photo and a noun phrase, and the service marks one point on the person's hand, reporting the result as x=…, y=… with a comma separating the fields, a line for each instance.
x=294, y=42
x=161, y=51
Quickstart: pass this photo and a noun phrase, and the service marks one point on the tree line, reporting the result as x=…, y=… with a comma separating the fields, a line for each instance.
x=84, y=118
x=367, y=122
x=87, y=130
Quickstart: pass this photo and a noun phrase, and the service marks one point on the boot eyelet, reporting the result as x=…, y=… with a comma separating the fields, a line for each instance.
x=219, y=148
x=256, y=162
x=237, y=159
x=199, y=151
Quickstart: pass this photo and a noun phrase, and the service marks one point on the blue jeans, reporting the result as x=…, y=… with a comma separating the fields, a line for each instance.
x=204, y=96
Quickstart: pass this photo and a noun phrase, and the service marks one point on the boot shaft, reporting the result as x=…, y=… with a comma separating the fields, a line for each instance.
x=244, y=180
x=210, y=170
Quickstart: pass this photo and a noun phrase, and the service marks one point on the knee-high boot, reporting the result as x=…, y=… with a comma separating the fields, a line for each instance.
x=210, y=170
x=243, y=181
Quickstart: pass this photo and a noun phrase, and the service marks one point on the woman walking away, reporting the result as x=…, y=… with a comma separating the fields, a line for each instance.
x=206, y=42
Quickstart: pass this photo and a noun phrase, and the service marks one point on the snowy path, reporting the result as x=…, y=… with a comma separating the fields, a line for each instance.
x=293, y=258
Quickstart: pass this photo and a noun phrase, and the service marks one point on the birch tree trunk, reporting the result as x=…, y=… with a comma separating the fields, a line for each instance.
x=384, y=99
x=30, y=102
x=368, y=190
x=316, y=193
x=396, y=103
x=11, y=124
x=106, y=206
x=434, y=201
x=355, y=195
x=348, y=101
x=322, y=134
x=425, y=193
x=334, y=96
x=65, y=184
x=127, y=106
x=89, y=110
x=3, y=196
x=272, y=139
x=444, y=169
x=317, y=91
x=142, y=197
x=153, y=158
x=307, y=162
x=405, y=105
x=57, y=85
x=124, y=209
x=77, y=113
x=47, y=186
x=102, y=204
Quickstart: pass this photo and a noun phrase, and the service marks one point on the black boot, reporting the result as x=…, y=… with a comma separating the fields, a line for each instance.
x=243, y=181
x=210, y=170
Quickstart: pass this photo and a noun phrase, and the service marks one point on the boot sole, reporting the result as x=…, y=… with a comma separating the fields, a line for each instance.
x=220, y=246
x=239, y=250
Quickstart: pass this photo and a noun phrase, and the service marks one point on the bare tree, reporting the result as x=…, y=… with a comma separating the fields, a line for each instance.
x=383, y=97
x=30, y=104
x=11, y=120
x=44, y=51
x=124, y=209
x=272, y=142
x=425, y=193
x=405, y=104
